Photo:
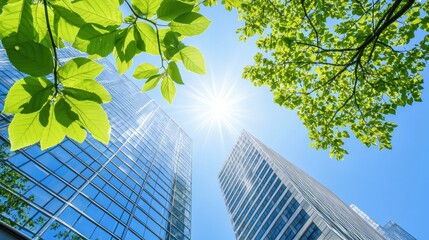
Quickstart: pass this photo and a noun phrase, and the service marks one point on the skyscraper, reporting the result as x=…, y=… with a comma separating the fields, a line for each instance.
x=393, y=231
x=136, y=187
x=365, y=217
x=268, y=197
x=390, y=231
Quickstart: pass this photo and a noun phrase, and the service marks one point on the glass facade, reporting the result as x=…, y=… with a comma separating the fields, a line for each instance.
x=136, y=187
x=393, y=231
x=269, y=198
x=390, y=231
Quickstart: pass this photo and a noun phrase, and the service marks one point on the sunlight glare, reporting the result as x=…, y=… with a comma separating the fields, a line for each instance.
x=217, y=107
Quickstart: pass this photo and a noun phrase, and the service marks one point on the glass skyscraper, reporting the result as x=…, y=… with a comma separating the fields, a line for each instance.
x=136, y=187
x=390, y=231
x=267, y=197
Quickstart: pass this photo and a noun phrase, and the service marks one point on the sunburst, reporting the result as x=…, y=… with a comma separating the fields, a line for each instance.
x=217, y=107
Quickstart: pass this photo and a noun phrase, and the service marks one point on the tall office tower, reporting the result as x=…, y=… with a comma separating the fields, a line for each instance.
x=136, y=187
x=390, y=231
x=365, y=217
x=395, y=232
x=267, y=197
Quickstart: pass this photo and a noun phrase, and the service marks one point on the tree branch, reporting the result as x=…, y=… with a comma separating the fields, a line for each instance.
x=390, y=47
x=355, y=100
x=309, y=20
x=381, y=26
x=54, y=47
x=327, y=50
x=276, y=9
x=156, y=28
x=389, y=20
x=332, y=78
x=317, y=63
x=347, y=100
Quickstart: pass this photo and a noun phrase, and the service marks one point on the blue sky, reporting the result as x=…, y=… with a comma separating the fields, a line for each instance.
x=384, y=184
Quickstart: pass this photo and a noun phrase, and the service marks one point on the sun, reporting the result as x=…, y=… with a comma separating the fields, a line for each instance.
x=218, y=109
x=216, y=106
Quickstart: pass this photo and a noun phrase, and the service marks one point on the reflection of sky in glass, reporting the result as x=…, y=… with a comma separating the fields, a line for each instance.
x=268, y=197
x=136, y=187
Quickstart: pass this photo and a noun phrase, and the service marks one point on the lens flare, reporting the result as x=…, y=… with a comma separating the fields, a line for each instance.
x=216, y=107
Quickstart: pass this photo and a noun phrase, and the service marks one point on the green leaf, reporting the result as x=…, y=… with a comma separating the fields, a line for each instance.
x=88, y=89
x=82, y=95
x=2, y=4
x=28, y=95
x=64, y=9
x=76, y=132
x=171, y=39
x=16, y=17
x=67, y=31
x=174, y=72
x=69, y=21
x=172, y=45
x=168, y=89
x=53, y=133
x=96, y=40
x=147, y=34
x=190, y=24
x=151, y=83
x=170, y=9
x=63, y=113
x=77, y=77
x=130, y=19
x=78, y=69
x=70, y=120
x=193, y=60
x=39, y=25
x=44, y=114
x=92, y=117
x=129, y=46
x=121, y=64
x=25, y=130
x=147, y=7
x=145, y=70
x=229, y=4
x=125, y=49
x=31, y=58
x=102, y=12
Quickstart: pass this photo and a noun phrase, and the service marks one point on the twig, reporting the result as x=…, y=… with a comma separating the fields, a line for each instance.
x=347, y=100
x=327, y=50
x=309, y=20
x=317, y=63
x=156, y=28
x=390, y=47
x=332, y=78
x=54, y=47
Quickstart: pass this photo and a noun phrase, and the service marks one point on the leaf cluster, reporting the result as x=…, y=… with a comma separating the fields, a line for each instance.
x=343, y=65
x=60, y=99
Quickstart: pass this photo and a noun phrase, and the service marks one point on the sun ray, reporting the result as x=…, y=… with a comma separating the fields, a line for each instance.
x=217, y=108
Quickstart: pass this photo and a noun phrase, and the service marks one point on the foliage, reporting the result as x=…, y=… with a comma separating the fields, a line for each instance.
x=344, y=66
x=13, y=209
x=58, y=100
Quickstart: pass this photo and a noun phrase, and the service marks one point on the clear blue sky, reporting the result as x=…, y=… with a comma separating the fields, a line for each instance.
x=385, y=184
